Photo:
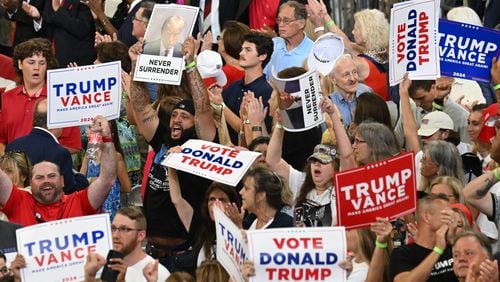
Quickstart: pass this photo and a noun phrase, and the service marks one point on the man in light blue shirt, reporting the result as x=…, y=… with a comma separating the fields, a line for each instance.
x=345, y=78
x=292, y=47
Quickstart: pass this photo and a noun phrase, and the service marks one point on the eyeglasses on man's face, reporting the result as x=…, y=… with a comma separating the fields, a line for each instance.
x=123, y=230
x=285, y=21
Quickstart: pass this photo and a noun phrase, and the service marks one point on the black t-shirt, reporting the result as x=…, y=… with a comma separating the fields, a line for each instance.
x=406, y=258
x=161, y=215
x=8, y=243
x=281, y=220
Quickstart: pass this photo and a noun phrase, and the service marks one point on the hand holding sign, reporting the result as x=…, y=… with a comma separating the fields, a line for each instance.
x=383, y=229
x=248, y=270
x=16, y=265
x=94, y=262
x=188, y=50
x=135, y=50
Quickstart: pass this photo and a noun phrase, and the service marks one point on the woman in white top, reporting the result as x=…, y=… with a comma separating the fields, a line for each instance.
x=312, y=189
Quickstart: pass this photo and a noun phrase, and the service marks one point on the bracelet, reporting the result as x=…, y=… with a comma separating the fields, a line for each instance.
x=107, y=139
x=191, y=65
x=247, y=121
x=278, y=125
x=380, y=245
x=257, y=128
x=496, y=174
x=329, y=23
x=319, y=28
x=497, y=86
x=438, y=250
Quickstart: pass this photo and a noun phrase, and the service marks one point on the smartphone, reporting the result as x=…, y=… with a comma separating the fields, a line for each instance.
x=108, y=274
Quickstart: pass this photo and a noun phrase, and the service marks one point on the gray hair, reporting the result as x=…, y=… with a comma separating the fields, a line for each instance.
x=298, y=8
x=380, y=139
x=448, y=158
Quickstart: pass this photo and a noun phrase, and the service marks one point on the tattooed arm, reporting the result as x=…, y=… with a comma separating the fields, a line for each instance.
x=204, y=122
x=477, y=192
x=146, y=117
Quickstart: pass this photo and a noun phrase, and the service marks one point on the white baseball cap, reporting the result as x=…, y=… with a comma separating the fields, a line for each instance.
x=325, y=51
x=209, y=64
x=434, y=121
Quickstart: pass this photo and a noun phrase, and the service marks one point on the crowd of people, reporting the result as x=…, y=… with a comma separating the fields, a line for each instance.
x=169, y=234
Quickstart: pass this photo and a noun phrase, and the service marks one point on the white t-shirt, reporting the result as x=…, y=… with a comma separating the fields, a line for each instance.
x=359, y=272
x=296, y=179
x=134, y=272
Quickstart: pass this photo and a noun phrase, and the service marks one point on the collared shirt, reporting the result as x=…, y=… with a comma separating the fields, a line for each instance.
x=345, y=107
x=23, y=209
x=263, y=13
x=282, y=58
x=17, y=118
x=233, y=95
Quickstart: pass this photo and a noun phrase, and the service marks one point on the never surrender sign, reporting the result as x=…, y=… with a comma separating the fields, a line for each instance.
x=466, y=51
x=232, y=250
x=414, y=41
x=213, y=161
x=76, y=95
x=57, y=250
x=297, y=254
x=382, y=189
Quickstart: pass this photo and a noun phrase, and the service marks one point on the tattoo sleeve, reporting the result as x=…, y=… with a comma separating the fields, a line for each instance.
x=139, y=94
x=198, y=91
x=488, y=183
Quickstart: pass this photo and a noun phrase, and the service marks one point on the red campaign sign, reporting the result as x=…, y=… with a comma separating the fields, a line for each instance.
x=382, y=189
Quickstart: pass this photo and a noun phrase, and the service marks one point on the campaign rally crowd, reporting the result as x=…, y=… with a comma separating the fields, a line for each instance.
x=162, y=219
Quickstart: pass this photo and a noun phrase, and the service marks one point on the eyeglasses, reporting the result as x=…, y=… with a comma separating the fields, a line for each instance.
x=285, y=21
x=358, y=141
x=139, y=20
x=4, y=270
x=123, y=229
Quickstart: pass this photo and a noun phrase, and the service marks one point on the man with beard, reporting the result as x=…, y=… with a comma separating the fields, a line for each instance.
x=168, y=239
x=129, y=231
x=46, y=201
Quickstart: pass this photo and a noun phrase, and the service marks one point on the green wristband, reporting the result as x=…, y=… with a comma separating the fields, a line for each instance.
x=329, y=23
x=191, y=65
x=380, y=245
x=496, y=174
x=497, y=86
x=438, y=250
x=437, y=106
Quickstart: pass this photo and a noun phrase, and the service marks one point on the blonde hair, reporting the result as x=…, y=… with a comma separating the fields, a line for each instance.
x=455, y=184
x=464, y=15
x=374, y=28
x=17, y=163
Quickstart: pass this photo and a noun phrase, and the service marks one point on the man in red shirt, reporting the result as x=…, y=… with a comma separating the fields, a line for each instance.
x=47, y=201
x=33, y=58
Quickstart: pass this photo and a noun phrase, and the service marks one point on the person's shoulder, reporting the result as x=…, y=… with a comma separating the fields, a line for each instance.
x=12, y=92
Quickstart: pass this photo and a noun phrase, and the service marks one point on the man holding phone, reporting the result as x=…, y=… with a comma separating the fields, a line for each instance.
x=127, y=257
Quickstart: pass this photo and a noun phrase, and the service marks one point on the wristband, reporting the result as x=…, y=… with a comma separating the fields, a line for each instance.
x=437, y=106
x=380, y=245
x=257, y=128
x=247, y=121
x=278, y=125
x=496, y=87
x=496, y=174
x=319, y=28
x=329, y=23
x=107, y=139
x=191, y=65
x=438, y=250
